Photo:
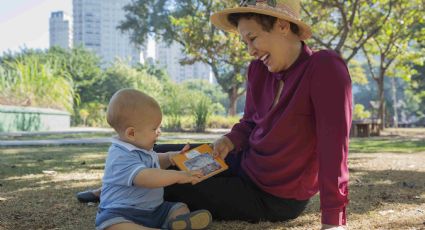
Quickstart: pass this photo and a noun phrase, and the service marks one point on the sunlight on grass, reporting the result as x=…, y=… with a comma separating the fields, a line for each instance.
x=383, y=182
x=372, y=145
x=24, y=177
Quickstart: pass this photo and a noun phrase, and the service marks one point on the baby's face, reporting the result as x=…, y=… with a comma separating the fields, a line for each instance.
x=148, y=131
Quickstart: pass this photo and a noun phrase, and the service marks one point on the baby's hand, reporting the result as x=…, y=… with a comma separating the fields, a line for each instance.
x=196, y=173
x=192, y=177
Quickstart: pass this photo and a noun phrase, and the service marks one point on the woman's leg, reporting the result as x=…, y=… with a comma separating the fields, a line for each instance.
x=162, y=148
x=227, y=198
x=231, y=195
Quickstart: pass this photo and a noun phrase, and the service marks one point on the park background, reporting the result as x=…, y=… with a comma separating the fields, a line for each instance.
x=43, y=165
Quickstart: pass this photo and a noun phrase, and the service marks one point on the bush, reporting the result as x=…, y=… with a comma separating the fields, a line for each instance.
x=30, y=82
x=221, y=122
x=201, y=111
x=91, y=114
x=360, y=113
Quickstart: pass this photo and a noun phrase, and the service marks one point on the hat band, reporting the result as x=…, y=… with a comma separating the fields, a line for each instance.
x=280, y=8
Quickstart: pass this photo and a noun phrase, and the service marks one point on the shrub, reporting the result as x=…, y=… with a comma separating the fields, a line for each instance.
x=201, y=111
x=221, y=122
x=360, y=113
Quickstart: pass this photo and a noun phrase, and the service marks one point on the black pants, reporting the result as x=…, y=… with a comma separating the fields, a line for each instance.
x=231, y=195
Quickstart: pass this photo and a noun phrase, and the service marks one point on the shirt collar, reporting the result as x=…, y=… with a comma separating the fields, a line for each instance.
x=129, y=146
x=306, y=52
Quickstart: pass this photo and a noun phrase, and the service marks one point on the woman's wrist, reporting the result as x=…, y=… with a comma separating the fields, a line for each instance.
x=229, y=143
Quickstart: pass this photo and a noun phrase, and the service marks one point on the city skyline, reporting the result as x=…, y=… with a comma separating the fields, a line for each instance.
x=95, y=27
x=35, y=15
x=16, y=15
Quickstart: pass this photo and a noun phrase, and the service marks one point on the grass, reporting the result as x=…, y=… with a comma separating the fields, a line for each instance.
x=387, y=145
x=38, y=186
x=54, y=136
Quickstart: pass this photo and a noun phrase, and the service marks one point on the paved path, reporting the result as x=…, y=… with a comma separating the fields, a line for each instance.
x=101, y=140
x=67, y=131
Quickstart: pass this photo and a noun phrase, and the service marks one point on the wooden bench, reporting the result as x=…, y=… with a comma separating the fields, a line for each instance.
x=364, y=128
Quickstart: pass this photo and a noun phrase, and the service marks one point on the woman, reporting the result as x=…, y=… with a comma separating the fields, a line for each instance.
x=293, y=138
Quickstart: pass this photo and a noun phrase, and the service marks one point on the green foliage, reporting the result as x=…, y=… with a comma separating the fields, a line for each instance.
x=96, y=86
x=201, y=110
x=153, y=70
x=360, y=113
x=344, y=26
x=116, y=77
x=357, y=73
x=120, y=76
x=84, y=114
x=390, y=51
x=416, y=91
x=222, y=122
x=175, y=104
x=214, y=92
x=83, y=67
x=93, y=114
x=187, y=23
x=27, y=81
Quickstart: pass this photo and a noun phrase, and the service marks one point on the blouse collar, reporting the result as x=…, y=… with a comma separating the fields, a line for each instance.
x=306, y=52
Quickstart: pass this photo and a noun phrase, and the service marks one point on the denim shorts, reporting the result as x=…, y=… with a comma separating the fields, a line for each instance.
x=157, y=218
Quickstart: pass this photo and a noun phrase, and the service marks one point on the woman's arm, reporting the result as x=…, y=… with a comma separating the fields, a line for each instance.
x=332, y=102
x=239, y=135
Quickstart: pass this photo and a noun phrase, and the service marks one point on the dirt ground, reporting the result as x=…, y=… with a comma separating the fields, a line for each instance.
x=38, y=186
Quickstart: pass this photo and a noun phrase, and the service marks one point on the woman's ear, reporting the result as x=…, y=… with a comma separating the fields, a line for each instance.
x=130, y=133
x=283, y=26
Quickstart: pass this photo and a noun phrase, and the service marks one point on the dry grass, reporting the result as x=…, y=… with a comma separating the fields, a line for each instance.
x=387, y=190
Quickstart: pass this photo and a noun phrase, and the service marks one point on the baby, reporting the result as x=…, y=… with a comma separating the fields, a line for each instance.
x=132, y=186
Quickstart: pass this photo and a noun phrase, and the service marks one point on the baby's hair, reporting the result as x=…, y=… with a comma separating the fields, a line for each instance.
x=126, y=105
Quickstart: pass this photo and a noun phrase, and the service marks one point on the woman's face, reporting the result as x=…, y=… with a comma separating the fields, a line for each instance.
x=269, y=47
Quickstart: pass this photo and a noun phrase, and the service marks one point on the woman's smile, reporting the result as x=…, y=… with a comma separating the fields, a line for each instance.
x=265, y=59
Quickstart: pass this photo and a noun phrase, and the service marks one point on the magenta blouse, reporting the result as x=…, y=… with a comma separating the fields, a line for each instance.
x=300, y=146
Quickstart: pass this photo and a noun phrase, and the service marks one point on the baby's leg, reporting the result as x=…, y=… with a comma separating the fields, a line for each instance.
x=128, y=226
x=179, y=211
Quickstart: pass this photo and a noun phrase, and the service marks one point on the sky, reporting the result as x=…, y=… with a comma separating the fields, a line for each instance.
x=25, y=23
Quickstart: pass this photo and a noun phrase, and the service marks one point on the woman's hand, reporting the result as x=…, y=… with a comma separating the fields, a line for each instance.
x=332, y=227
x=222, y=147
x=173, y=153
x=192, y=177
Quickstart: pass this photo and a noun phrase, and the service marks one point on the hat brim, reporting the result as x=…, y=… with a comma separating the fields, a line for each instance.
x=219, y=19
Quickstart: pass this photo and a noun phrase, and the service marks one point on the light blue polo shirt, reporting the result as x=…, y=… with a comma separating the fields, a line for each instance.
x=123, y=163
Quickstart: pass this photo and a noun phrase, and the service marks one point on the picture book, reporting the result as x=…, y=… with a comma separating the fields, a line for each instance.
x=200, y=158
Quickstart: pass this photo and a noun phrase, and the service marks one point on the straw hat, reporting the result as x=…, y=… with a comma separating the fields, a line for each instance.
x=285, y=9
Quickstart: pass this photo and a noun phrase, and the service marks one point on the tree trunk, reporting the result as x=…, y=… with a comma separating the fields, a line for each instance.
x=394, y=92
x=381, y=112
x=233, y=99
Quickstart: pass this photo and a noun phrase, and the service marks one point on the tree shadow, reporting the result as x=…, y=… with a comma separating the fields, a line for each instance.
x=370, y=190
x=35, y=200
